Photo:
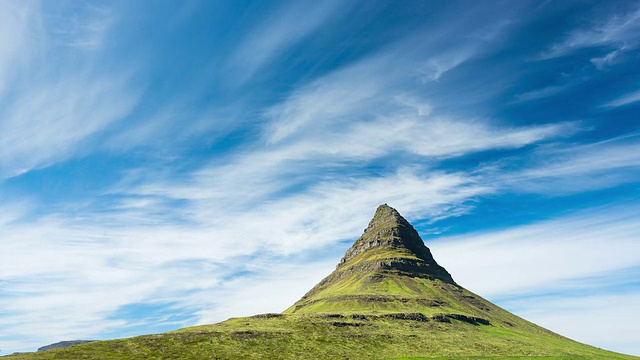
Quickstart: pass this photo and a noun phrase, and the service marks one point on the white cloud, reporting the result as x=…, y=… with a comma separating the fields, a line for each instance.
x=315, y=215
x=57, y=275
x=431, y=137
x=543, y=255
x=436, y=67
x=609, y=59
x=290, y=24
x=378, y=85
x=89, y=30
x=346, y=96
x=623, y=100
x=50, y=109
x=619, y=31
x=49, y=121
x=16, y=22
x=540, y=93
x=570, y=169
x=485, y=38
x=362, y=112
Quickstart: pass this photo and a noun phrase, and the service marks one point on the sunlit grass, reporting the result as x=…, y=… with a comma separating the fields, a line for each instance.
x=335, y=336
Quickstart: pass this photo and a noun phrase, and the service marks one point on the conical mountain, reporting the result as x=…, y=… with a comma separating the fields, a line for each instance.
x=389, y=269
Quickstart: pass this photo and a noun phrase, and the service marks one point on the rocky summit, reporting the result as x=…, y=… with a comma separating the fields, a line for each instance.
x=389, y=230
x=387, y=299
x=388, y=269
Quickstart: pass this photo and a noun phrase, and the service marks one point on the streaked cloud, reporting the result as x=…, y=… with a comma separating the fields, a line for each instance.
x=49, y=122
x=287, y=26
x=356, y=114
x=540, y=93
x=618, y=31
x=578, y=168
x=550, y=253
x=625, y=99
x=50, y=111
x=16, y=24
x=88, y=30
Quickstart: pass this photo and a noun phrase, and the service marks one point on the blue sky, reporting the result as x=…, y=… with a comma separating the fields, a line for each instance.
x=164, y=165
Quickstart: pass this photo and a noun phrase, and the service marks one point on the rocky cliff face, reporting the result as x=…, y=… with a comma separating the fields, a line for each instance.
x=389, y=230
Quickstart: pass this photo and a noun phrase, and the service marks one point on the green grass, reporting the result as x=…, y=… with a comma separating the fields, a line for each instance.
x=329, y=336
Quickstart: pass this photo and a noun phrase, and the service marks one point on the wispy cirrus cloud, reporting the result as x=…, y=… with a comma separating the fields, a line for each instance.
x=569, y=169
x=626, y=99
x=372, y=108
x=49, y=112
x=540, y=93
x=285, y=28
x=35, y=286
x=49, y=121
x=483, y=39
x=169, y=127
x=88, y=30
x=551, y=252
x=405, y=130
x=17, y=21
x=618, y=32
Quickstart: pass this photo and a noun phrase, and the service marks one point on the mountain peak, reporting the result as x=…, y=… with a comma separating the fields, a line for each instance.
x=385, y=264
x=389, y=232
x=389, y=229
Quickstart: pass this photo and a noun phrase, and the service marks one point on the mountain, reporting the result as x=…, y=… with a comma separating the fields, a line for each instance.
x=387, y=299
x=388, y=269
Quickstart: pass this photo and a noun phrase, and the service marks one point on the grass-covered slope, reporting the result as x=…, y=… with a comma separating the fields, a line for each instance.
x=387, y=299
x=335, y=336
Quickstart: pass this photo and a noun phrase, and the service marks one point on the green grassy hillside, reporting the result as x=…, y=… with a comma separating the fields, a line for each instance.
x=335, y=336
x=387, y=299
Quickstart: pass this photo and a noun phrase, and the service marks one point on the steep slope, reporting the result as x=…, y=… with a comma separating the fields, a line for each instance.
x=387, y=269
x=390, y=270
x=387, y=299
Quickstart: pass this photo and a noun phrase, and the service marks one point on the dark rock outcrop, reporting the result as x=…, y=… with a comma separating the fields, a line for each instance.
x=405, y=316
